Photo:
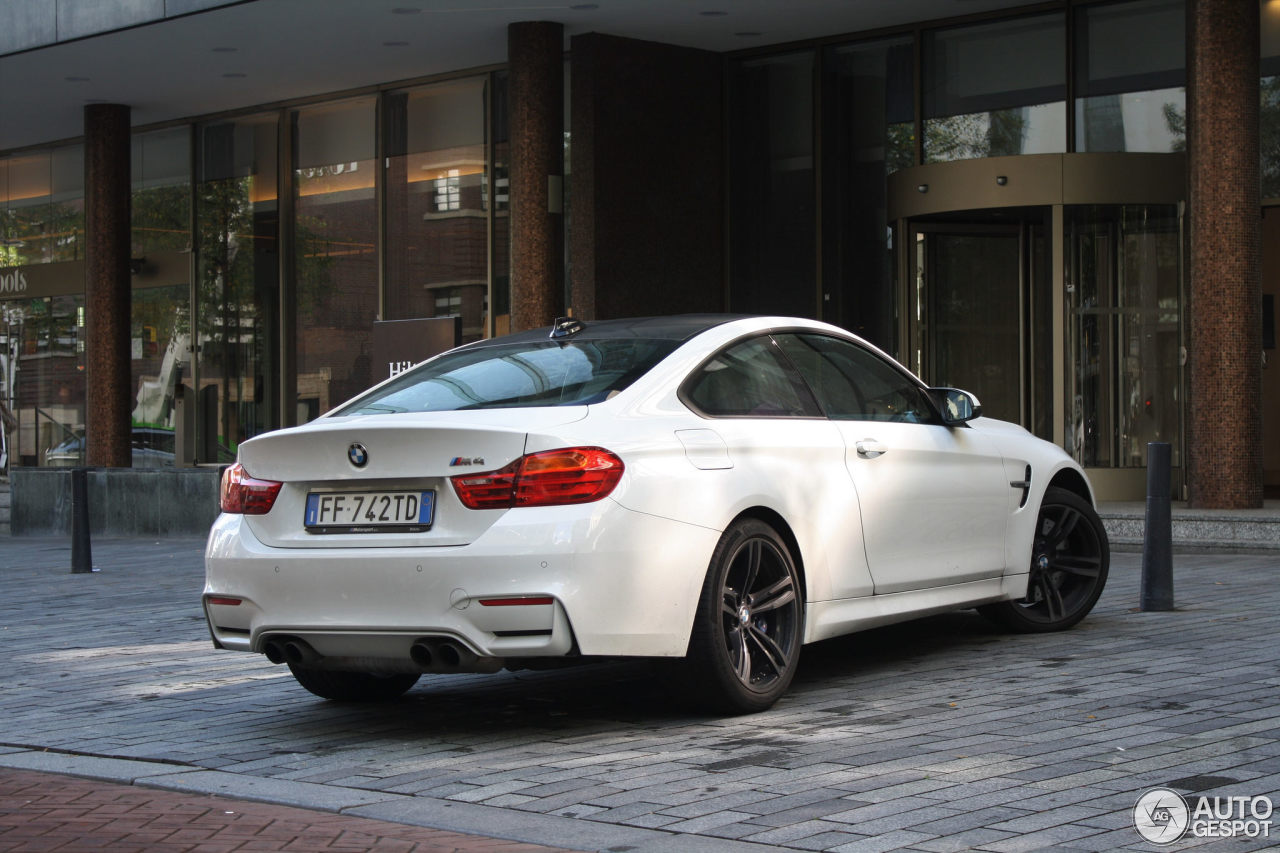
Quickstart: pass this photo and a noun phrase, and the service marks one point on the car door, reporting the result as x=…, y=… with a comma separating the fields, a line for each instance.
x=934, y=498
x=783, y=454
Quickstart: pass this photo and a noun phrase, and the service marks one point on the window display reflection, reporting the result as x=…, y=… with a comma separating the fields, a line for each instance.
x=868, y=127
x=771, y=186
x=1124, y=303
x=160, y=335
x=1269, y=102
x=335, y=259
x=438, y=194
x=971, y=108
x=1130, y=78
x=42, y=367
x=237, y=283
x=161, y=192
x=42, y=207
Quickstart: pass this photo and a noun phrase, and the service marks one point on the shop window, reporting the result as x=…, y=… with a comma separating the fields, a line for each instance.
x=868, y=126
x=161, y=193
x=975, y=105
x=42, y=207
x=1130, y=76
x=335, y=261
x=237, y=283
x=771, y=186
x=1123, y=266
x=1269, y=106
x=437, y=202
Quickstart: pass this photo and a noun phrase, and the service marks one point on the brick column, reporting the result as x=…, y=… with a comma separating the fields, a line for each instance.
x=535, y=53
x=1225, y=424
x=109, y=386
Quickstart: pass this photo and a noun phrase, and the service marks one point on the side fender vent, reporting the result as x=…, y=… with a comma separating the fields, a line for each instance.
x=1025, y=485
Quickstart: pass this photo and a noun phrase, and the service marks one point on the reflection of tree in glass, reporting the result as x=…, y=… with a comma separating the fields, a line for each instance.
x=41, y=232
x=313, y=262
x=965, y=137
x=161, y=219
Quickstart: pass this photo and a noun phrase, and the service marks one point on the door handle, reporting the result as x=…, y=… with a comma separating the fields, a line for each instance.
x=869, y=448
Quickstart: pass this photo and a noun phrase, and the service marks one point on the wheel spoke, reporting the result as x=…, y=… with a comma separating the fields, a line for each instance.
x=754, y=551
x=771, y=598
x=777, y=657
x=1051, y=596
x=1076, y=566
x=738, y=643
x=1062, y=527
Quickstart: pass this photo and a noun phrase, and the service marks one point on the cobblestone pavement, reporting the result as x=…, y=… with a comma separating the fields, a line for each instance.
x=936, y=735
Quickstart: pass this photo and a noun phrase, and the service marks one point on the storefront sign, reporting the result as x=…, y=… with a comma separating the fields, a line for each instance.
x=13, y=282
x=400, y=344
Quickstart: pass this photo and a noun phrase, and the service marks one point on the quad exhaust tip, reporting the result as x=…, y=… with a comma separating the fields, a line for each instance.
x=429, y=654
x=289, y=650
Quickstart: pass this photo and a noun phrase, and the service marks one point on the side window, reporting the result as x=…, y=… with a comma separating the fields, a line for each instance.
x=749, y=379
x=853, y=383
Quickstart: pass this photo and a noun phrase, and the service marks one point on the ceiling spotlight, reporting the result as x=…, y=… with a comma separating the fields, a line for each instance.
x=922, y=188
x=1002, y=179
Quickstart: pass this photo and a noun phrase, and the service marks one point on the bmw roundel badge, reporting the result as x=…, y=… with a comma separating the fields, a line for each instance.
x=358, y=455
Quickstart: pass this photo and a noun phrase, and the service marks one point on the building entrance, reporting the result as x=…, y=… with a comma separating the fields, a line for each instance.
x=979, y=290
x=1051, y=286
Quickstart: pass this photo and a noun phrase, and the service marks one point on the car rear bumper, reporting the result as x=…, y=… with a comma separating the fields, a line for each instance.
x=619, y=583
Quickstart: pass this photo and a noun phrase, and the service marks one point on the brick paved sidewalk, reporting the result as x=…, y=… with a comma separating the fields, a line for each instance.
x=44, y=811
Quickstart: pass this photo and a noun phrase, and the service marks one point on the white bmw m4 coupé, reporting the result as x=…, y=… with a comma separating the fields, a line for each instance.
x=716, y=489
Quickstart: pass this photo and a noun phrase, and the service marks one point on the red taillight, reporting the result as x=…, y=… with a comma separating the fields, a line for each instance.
x=574, y=475
x=247, y=495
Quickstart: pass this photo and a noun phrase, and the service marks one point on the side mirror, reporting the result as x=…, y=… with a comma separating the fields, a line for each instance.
x=956, y=406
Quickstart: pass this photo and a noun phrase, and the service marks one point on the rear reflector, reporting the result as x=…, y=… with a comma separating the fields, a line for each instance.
x=572, y=475
x=247, y=495
x=519, y=601
x=229, y=602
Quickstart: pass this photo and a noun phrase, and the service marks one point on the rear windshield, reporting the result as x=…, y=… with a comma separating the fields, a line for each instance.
x=550, y=373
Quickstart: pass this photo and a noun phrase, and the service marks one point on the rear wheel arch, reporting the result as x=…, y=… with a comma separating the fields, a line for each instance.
x=779, y=524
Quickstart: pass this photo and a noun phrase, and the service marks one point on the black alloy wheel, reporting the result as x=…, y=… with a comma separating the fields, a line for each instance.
x=1069, y=562
x=749, y=628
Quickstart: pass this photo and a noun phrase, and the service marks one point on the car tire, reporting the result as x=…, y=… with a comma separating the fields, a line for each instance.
x=749, y=625
x=342, y=686
x=1069, y=562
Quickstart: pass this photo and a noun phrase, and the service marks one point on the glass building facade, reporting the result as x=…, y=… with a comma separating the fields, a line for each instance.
x=265, y=246
x=268, y=243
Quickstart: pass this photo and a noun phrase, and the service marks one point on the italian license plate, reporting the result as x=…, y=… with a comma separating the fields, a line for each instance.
x=369, y=512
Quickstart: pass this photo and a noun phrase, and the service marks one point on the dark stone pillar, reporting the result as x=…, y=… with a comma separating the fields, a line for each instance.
x=109, y=386
x=647, y=236
x=1225, y=424
x=535, y=53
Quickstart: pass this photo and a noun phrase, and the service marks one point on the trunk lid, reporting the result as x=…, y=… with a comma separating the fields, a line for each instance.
x=408, y=453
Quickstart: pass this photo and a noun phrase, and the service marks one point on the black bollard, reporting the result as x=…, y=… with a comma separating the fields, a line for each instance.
x=1157, y=546
x=81, y=558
